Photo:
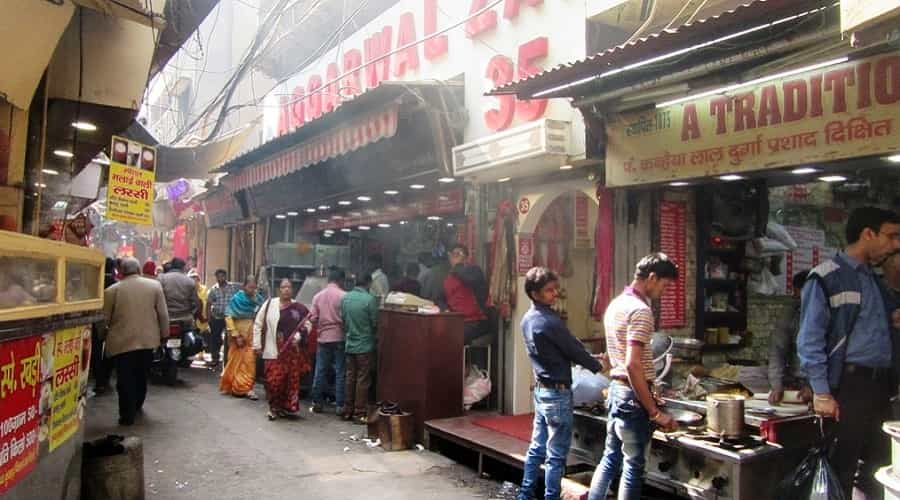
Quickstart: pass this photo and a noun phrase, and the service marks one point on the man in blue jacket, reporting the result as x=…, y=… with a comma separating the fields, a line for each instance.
x=846, y=341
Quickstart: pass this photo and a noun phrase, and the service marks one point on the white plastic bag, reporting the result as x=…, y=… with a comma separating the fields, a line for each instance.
x=476, y=387
x=587, y=387
x=763, y=283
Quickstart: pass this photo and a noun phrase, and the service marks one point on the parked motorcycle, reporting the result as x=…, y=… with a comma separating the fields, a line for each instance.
x=184, y=342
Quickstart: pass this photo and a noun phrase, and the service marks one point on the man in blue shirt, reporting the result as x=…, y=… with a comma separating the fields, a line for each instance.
x=845, y=344
x=552, y=350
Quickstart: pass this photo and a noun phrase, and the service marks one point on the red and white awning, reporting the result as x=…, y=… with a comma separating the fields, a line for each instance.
x=343, y=140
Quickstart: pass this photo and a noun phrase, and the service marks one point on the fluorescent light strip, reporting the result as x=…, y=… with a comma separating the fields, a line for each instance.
x=676, y=53
x=894, y=158
x=730, y=88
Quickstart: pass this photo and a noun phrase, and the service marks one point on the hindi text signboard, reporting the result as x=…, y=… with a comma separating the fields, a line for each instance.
x=132, y=172
x=840, y=111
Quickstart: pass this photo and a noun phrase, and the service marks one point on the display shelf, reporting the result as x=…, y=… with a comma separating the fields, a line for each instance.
x=40, y=278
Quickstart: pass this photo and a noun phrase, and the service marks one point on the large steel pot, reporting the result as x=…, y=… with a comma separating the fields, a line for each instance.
x=725, y=414
x=892, y=429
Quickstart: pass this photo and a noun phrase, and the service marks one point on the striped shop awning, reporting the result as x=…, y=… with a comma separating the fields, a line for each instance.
x=347, y=138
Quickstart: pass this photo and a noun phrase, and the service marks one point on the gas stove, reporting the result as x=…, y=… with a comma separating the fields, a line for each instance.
x=693, y=463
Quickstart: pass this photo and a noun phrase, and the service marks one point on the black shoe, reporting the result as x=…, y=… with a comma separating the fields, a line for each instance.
x=101, y=390
x=316, y=408
x=124, y=422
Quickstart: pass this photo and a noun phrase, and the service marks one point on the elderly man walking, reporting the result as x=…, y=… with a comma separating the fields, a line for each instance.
x=137, y=319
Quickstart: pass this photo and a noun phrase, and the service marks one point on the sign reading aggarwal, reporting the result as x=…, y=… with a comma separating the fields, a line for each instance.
x=840, y=111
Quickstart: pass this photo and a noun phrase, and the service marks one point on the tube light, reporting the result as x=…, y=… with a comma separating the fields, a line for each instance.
x=310, y=210
x=730, y=88
x=679, y=184
x=833, y=178
x=504, y=179
x=50, y=171
x=446, y=180
x=62, y=153
x=804, y=171
x=417, y=186
x=281, y=216
x=730, y=178
x=346, y=230
x=364, y=198
x=345, y=203
x=86, y=126
x=392, y=192
x=384, y=226
x=364, y=228
x=292, y=214
x=894, y=158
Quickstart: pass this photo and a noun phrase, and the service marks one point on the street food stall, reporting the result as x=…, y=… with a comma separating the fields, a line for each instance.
x=50, y=294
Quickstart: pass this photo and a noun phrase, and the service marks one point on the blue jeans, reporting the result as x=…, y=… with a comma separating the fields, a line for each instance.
x=628, y=434
x=329, y=355
x=550, y=442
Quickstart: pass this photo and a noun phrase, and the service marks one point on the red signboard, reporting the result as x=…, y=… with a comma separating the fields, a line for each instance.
x=525, y=253
x=20, y=391
x=672, y=231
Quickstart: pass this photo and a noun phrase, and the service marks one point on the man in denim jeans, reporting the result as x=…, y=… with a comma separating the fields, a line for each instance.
x=631, y=407
x=325, y=314
x=552, y=350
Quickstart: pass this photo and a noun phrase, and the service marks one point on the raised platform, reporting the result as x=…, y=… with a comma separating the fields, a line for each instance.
x=486, y=443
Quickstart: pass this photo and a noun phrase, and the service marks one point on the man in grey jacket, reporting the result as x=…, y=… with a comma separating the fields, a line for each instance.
x=137, y=320
x=180, y=292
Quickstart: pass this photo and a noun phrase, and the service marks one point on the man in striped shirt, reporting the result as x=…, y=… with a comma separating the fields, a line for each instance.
x=631, y=407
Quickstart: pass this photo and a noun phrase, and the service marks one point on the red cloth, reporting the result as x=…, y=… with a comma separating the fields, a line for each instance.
x=461, y=299
x=604, y=241
x=517, y=426
x=149, y=269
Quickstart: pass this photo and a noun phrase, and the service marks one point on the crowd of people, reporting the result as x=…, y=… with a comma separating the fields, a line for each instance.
x=335, y=333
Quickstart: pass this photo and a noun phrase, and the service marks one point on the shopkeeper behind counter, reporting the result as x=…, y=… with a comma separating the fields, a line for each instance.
x=784, y=365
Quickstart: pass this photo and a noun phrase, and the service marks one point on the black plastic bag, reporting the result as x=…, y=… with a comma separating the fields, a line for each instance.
x=813, y=479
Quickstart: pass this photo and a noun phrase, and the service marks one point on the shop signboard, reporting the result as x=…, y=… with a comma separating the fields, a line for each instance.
x=67, y=368
x=132, y=172
x=672, y=242
x=841, y=110
x=809, y=252
x=582, y=221
x=20, y=391
x=860, y=14
x=525, y=253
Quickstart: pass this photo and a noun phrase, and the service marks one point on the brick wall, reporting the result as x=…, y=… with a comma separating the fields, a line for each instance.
x=762, y=315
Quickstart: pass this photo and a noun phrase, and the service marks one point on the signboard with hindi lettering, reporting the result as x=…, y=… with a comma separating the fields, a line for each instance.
x=68, y=356
x=840, y=111
x=132, y=172
x=20, y=391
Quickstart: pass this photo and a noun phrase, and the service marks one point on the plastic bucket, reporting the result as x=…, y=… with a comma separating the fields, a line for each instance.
x=892, y=429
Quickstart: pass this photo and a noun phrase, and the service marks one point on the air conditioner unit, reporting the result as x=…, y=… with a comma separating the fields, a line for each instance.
x=538, y=147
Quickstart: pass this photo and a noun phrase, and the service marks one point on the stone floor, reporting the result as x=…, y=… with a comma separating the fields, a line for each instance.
x=199, y=444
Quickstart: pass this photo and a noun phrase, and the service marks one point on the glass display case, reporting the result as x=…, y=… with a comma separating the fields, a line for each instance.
x=40, y=278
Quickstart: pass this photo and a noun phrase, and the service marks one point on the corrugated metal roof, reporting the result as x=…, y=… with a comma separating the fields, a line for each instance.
x=745, y=15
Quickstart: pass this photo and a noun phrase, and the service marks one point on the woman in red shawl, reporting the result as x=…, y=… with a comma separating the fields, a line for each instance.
x=280, y=334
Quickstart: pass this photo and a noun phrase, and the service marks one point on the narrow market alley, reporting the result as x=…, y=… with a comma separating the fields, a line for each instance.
x=199, y=444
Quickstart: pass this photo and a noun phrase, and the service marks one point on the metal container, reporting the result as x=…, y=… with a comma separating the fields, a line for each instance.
x=889, y=480
x=892, y=429
x=687, y=349
x=725, y=414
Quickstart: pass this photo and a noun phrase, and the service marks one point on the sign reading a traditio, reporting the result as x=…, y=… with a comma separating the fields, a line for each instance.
x=132, y=171
x=20, y=392
x=840, y=111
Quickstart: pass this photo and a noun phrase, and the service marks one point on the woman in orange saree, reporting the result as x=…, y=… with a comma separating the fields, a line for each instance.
x=239, y=375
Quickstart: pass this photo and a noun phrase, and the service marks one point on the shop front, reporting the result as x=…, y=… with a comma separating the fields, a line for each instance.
x=743, y=169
